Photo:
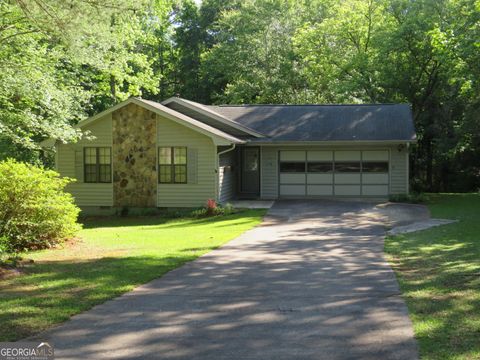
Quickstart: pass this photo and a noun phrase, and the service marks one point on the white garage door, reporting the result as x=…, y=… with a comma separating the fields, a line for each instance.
x=316, y=173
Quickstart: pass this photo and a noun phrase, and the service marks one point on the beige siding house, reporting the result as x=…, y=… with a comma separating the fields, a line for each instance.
x=143, y=154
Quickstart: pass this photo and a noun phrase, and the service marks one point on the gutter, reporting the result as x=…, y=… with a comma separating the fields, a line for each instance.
x=330, y=142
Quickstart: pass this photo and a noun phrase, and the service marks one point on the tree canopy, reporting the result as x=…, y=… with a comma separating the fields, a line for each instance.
x=62, y=61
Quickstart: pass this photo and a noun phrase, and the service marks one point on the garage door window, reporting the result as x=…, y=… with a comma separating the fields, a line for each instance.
x=375, y=167
x=320, y=167
x=292, y=167
x=347, y=167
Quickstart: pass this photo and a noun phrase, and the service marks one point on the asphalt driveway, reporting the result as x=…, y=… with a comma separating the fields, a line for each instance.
x=310, y=283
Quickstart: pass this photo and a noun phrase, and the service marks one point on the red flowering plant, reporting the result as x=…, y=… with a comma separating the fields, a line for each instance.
x=211, y=207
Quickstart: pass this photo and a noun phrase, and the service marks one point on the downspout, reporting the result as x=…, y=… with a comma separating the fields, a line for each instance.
x=218, y=167
x=227, y=150
x=408, y=168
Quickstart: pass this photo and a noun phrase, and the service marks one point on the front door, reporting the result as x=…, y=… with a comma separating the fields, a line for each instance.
x=250, y=181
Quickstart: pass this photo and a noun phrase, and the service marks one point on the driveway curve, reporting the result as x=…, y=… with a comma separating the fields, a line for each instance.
x=310, y=283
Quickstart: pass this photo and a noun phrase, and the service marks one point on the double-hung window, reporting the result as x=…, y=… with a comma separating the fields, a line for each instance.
x=172, y=165
x=97, y=164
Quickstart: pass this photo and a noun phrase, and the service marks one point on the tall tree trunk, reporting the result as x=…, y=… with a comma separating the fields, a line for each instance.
x=413, y=158
x=162, y=73
x=429, y=161
x=113, y=90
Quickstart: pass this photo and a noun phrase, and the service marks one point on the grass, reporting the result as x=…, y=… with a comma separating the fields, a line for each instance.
x=112, y=256
x=439, y=275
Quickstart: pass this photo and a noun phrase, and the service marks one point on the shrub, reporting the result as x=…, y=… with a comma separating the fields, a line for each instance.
x=211, y=207
x=3, y=249
x=413, y=198
x=35, y=211
x=199, y=213
x=228, y=209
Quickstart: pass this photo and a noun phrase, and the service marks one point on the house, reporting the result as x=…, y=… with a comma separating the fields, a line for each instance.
x=179, y=153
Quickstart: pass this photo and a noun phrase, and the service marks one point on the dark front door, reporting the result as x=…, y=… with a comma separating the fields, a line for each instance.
x=250, y=182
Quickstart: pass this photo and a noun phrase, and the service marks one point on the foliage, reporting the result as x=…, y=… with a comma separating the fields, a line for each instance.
x=211, y=206
x=228, y=209
x=62, y=61
x=113, y=256
x=253, y=60
x=4, y=249
x=213, y=209
x=413, y=198
x=438, y=274
x=8, y=260
x=35, y=212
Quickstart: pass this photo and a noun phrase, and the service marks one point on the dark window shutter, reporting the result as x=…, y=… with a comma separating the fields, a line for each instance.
x=192, y=165
x=79, y=165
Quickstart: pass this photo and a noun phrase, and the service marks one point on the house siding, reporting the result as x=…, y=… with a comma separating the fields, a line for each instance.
x=202, y=179
x=269, y=172
x=398, y=171
x=203, y=186
x=226, y=177
x=86, y=194
x=269, y=168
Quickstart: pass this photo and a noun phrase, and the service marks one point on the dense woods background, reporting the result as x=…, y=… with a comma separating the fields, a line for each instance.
x=63, y=60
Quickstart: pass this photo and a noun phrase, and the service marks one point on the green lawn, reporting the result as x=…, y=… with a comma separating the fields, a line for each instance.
x=111, y=257
x=439, y=274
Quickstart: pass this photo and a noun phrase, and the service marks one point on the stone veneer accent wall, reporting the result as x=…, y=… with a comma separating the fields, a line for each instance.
x=134, y=157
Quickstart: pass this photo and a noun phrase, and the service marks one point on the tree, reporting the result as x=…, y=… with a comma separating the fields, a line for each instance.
x=37, y=93
x=253, y=60
x=61, y=61
x=188, y=39
x=341, y=54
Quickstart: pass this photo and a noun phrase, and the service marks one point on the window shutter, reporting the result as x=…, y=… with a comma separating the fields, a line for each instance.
x=79, y=165
x=192, y=165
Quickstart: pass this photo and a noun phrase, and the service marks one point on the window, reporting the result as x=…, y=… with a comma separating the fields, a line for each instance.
x=320, y=167
x=172, y=165
x=251, y=159
x=97, y=164
x=375, y=166
x=292, y=167
x=347, y=167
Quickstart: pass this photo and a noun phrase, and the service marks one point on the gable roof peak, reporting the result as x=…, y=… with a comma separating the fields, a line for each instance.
x=210, y=112
x=168, y=113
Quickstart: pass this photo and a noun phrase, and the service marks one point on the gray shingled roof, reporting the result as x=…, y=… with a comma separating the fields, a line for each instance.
x=325, y=122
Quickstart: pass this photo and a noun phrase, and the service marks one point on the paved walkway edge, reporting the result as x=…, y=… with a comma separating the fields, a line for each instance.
x=420, y=225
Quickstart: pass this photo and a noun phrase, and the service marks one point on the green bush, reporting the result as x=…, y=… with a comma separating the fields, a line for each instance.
x=413, y=198
x=35, y=212
x=218, y=210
